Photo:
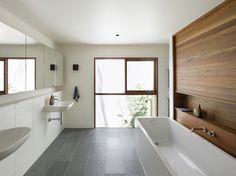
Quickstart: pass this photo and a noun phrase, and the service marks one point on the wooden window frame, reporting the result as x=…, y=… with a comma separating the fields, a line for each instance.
x=129, y=92
x=4, y=76
x=142, y=92
x=5, y=59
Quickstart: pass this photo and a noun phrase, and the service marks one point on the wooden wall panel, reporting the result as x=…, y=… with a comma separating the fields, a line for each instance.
x=204, y=55
x=206, y=63
x=221, y=113
x=223, y=139
x=222, y=14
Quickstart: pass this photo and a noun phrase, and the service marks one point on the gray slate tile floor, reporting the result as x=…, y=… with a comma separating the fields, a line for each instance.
x=90, y=152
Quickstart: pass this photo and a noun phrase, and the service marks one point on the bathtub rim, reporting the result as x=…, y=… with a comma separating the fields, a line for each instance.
x=163, y=158
x=189, y=131
x=166, y=163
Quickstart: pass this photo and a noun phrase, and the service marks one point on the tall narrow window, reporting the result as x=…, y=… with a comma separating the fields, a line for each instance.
x=16, y=75
x=1, y=76
x=30, y=74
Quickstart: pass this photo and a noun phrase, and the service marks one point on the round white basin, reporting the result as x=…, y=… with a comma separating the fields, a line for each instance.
x=59, y=106
x=12, y=139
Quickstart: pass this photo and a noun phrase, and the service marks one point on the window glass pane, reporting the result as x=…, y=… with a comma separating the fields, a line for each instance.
x=140, y=75
x=110, y=76
x=1, y=75
x=16, y=75
x=123, y=110
x=30, y=74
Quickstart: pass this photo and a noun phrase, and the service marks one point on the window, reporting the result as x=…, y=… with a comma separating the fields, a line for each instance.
x=140, y=75
x=18, y=75
x=122, y=110
x=1, y=76
x=110, y=76
x=125, y=88
x=125, y=76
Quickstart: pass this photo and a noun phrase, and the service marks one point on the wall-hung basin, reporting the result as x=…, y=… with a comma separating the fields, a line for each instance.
x=59, y=106
x=12, y=139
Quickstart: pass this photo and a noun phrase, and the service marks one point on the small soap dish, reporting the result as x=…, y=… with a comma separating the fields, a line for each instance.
x=184, y=109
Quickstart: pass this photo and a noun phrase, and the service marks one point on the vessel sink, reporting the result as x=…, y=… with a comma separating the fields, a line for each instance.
x=59, y=106
x=12, y=139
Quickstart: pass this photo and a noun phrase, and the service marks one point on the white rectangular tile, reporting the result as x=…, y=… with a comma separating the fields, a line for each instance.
x=7, y=117
x=23, y=157
x=7, y=166
x=24, y=113
x=39, y=127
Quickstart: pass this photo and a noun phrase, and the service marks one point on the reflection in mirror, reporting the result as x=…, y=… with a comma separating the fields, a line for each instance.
x=35, y=50
x=1, y=76
x=12, y=57
x=25, y=63
x=60, y=69
x=49, y=59
x=21, y=74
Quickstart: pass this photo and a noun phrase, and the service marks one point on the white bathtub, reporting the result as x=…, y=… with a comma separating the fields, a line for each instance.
x=166, y=148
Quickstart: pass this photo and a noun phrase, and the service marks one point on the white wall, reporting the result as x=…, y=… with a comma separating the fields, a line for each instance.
x=28, y=113
x=81, y=115
x=171, y=81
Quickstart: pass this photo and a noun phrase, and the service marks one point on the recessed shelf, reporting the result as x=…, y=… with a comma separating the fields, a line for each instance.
x=224, y=136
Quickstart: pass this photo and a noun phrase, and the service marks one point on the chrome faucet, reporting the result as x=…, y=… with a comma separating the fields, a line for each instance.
x=211, y=134
x=203, y=129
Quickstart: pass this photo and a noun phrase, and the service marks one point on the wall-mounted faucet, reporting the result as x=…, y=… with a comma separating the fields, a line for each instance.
x=52, y=99
x=203, y=129
x=211, y=133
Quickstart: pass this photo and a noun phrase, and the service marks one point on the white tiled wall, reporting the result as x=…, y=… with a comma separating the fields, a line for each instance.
x=7, y=166
x=28, y=113
x=7, y=117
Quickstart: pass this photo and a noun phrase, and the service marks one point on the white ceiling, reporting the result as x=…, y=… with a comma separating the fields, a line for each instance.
x=97, y=21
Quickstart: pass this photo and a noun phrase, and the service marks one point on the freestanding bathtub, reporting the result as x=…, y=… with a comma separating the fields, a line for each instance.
x=166, y=148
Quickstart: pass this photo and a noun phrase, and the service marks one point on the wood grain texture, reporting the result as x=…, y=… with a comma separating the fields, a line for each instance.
x=216, y=111
x=216, y=17
x=204, y=56
x=207, y=66
x=224, y=139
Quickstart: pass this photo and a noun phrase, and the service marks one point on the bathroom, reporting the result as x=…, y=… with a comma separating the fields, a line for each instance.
x=130, y=88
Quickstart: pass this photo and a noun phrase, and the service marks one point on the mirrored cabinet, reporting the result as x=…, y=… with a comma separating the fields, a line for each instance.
x=26, y=64
x=60, y=69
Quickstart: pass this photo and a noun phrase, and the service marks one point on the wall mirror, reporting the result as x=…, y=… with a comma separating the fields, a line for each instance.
x=60, y=69
x=25, y=63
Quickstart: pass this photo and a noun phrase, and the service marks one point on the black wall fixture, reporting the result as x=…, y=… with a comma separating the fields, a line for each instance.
x=75, y=67
x=52, y=67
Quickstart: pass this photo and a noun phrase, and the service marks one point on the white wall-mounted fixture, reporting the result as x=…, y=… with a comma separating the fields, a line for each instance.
x=11, y=139
x=59, y=106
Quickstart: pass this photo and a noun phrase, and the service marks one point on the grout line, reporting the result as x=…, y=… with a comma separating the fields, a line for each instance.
x=54, y=157
x=77, y=147
x=86, y=169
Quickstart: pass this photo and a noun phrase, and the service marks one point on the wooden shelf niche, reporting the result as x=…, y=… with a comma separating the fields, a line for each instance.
x=205, y=74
